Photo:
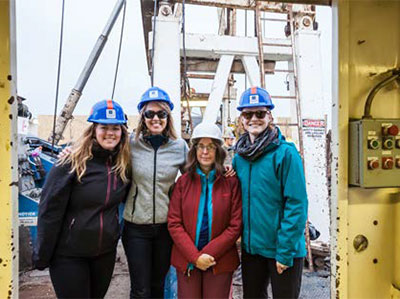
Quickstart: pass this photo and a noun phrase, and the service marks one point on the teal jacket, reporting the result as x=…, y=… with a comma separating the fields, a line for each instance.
x=274, y=202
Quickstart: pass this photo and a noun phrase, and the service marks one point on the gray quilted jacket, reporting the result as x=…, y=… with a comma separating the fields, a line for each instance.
x=153, y=173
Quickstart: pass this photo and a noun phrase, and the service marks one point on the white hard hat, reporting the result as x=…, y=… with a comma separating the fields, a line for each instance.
x=228, y=133
x=207, y=130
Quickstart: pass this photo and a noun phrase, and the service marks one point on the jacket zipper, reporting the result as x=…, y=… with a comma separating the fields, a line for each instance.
x=109, y=179
x=134, y=203
x=206, y=207
x=115, y=182
x=70, y=229
x=212, y=218
x=248, y=206
x=72, y=223
x=154, y=187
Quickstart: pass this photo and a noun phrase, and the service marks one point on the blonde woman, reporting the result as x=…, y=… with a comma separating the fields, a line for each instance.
x=157, y=155
x=78, y=227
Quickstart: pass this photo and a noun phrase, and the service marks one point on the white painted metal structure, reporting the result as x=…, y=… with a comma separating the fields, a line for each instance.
x=314, y=127
x=218, y=88
x=167, y=60
x=226, y=49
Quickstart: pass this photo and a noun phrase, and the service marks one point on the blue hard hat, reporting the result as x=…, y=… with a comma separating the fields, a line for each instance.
x=255, y=97
x=107, y=112
x=155, y=94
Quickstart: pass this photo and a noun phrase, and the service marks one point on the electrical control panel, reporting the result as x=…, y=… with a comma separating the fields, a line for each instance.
x=374, y=153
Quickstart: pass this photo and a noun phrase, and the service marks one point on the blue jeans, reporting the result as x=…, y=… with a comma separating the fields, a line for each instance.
x=148, y=251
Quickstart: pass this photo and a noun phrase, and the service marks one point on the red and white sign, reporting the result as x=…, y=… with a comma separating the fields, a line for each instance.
x=314, y=123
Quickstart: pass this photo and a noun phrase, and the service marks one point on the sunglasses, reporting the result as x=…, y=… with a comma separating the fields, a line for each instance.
x=162, y=114
x=260, y=114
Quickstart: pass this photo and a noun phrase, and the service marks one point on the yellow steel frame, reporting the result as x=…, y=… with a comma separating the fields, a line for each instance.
x=8, y=179
x=366, y=37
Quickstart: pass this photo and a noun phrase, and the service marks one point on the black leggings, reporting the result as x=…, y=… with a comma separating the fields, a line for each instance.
x=82, y=277
x=148, y=250
x=258, y=270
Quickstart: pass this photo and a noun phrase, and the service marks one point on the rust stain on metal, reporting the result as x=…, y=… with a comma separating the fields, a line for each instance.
x=361, y=41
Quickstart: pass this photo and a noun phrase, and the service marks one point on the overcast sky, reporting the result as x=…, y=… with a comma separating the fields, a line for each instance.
x=38, y=32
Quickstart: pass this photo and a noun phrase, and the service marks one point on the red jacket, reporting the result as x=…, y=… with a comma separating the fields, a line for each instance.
x=226, y=222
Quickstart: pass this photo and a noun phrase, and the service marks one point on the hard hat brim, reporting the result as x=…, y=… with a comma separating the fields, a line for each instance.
x=209, y=136
x=270, y=107
x=108, y=121
x=144, y=102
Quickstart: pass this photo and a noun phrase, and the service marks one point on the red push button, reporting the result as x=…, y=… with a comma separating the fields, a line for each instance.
x=392, y=130
x=387, y=163
x=373, y=164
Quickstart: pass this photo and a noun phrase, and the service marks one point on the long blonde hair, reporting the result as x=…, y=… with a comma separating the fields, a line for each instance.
x=82, y=152
x=169, y=130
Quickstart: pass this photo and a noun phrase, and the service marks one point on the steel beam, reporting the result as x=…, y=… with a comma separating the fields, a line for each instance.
x=210, y=66
x=167, y=61
x=218, y=88
x=252, y=70
x=250, y=4
x=213, y=46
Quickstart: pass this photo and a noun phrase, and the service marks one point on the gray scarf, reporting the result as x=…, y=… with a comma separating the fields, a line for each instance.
x=252, y=151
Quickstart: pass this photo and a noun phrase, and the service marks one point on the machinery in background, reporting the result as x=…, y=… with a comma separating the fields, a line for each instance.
x=35, y=159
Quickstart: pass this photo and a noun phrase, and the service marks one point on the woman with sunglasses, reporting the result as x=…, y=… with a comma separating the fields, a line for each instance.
x=78, y=228
x=157, y=156
x=274, y=202
x=204, y=219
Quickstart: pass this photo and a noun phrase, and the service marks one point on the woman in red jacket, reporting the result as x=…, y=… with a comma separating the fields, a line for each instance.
x=205, y=219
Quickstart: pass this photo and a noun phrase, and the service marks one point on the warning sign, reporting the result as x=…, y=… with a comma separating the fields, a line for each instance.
x=314, y=128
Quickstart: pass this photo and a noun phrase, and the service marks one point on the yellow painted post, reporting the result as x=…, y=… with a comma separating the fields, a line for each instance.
x=340, y=116
x=8, y=153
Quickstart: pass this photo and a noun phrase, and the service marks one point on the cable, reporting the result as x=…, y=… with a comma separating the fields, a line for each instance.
x=119, y=50
x=58, y=76
x=245, y=34
x=368, y=103
x=186, y=84
x=154, y=44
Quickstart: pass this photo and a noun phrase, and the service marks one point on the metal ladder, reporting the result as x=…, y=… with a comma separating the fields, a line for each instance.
x=261, y=44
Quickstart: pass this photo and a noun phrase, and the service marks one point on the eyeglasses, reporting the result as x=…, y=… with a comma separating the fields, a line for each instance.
x=150, y=114
x=210, y=147
x=260, y=114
